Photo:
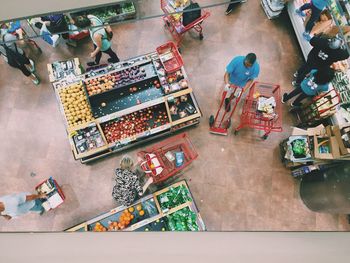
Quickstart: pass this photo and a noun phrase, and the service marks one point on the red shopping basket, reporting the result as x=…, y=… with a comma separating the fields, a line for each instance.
x=170, y=57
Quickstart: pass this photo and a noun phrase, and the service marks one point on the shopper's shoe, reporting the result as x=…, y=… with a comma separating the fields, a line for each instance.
x=306, y=36
x=42, y=212
x=284, y=98
x=111, y=60
x=32, y=70
x=92, y=63
x=295, y=105
x=227, y=104
x=36, y=81
x=228, y=11
x=295, y=75
x=300, y=13
x=295, y=84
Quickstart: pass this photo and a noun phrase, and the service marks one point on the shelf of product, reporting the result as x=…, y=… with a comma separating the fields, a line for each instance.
x=111, y=14
x=75, y=105
x=68, y=69
x=170, y=209
x=126, y=103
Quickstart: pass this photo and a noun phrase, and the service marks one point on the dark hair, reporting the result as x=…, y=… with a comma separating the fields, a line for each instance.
x=251, y=58
x=82, y=21
x=324, y=75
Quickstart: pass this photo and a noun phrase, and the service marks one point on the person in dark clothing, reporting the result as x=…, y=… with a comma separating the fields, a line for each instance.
x=323, y=54
x=315, y=82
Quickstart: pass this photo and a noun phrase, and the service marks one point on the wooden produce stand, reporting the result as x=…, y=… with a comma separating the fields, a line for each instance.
x=160, y=211
x=124, y=104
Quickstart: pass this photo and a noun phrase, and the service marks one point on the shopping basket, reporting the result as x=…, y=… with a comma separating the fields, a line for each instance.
x=159, y=155
x=170, y=57
x=318, y=109
x=252, y=116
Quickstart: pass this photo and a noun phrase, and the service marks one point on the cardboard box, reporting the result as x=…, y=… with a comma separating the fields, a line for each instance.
x=337, y=133
x=333, y=146
x=319, y=130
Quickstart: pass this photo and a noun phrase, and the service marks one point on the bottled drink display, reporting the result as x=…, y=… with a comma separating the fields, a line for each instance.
x=183, y=220
x=174, y=197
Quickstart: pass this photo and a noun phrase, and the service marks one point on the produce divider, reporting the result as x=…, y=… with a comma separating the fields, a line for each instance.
x=121, y=105
x=170, y=209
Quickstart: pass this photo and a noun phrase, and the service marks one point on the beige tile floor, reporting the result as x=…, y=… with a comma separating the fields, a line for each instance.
x=238, y=182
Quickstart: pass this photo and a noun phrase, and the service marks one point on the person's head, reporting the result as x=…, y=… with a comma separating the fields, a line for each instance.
x=82, y=21
x=126, y=163
x=324, y=76
x=3, y=28
x=249, y=60
x=335, y=43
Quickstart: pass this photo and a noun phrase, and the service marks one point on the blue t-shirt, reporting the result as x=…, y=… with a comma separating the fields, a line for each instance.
x=239, y=74
x=16, y=205
x=310, y=88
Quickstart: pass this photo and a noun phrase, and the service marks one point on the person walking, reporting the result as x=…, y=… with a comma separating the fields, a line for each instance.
x=127, y=184
x=15, y=56
x=316, y=7
x=100, y=36
x=323, y=54
x=15, y=205
x=240, y=72
x=315, y=82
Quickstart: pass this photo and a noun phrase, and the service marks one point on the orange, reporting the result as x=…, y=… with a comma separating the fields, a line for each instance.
x=131, y=209
x=142, y=213
x=138, y=207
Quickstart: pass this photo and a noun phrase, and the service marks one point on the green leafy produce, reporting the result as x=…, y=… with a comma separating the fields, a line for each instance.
x=299, y=148
x=183, y=220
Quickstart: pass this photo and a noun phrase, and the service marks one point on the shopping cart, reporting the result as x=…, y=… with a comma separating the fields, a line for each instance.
x=173, y=21
x=159, y=160
x=318, y=109
x=55, y=193
x=257, y=118
x=219, y=125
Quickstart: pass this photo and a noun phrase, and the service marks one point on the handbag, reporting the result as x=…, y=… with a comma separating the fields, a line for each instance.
x=14, y=58
x=151, y=165
x=190, y=16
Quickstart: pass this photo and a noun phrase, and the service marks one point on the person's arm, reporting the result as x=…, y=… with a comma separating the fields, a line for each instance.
x=34, y=197
x=137, y=185
x=147, y=184
x=247, y=85
x=227, y=78
x=98, y=40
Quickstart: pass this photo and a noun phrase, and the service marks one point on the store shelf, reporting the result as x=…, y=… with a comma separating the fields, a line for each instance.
x=159, y=214
x=299, y=28
x=271, y=11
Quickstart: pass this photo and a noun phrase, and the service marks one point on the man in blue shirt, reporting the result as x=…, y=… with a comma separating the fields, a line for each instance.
x=15, y=205
x=240, y=72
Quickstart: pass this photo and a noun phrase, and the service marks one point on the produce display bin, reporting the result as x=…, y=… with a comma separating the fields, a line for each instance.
x=112, y=13
x=128, y=103
x=170, y=209
x=64, y=69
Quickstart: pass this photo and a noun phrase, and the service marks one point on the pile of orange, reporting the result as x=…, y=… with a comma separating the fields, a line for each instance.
x=125, y=219
x=99, y=228
x=113, y=226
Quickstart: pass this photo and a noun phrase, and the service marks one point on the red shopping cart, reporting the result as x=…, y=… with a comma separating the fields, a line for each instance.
x=319, y=108
x=159, y=161
x=173, y=21
x=170, y=57
x=262, y=109
x=55, y=196
x=222, y=120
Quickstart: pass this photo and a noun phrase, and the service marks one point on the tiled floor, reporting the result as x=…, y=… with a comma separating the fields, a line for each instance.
x=238, y=182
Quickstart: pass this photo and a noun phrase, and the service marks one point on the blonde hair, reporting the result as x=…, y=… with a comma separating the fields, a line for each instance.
x=126, y=163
